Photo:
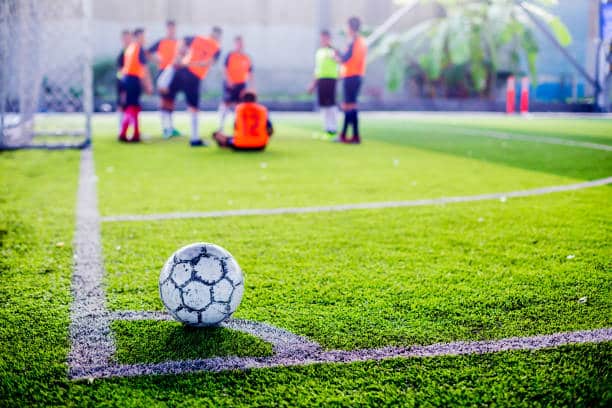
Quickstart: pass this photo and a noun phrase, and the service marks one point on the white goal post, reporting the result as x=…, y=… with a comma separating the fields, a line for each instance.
x=46, y=91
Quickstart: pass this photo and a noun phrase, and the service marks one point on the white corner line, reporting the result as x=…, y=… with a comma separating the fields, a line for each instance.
x=358, y=206
x=302, y=358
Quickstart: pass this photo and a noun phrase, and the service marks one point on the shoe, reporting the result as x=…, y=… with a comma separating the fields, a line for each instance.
x=355, y=140
x=135, y=139
x=122, y=139
x=167, y=133
x=175, y=133
x=329, y=135
x=198, y=143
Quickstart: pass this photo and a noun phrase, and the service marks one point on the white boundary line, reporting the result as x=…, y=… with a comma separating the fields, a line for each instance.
x=218, y=364
x=526, y=138
x=359, y=206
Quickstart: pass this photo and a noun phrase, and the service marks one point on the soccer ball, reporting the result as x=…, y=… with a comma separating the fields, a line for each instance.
x=201, y=285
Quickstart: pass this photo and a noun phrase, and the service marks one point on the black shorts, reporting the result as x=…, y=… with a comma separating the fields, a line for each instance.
x=230, y=143
x=186, y=82
x=351, y=87
x=231, y=94
x=326, y=92
x=133, y=89
x=120, y=94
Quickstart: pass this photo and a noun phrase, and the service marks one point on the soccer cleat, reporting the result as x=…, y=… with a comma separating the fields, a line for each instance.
x=122, y=139
x=175, y=133
x=330, y=135
x=167, y=133
x=198, y=143
x=355, y=140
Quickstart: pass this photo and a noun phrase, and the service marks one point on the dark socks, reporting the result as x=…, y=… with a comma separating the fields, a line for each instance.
x=355, y=121
x=345, y=126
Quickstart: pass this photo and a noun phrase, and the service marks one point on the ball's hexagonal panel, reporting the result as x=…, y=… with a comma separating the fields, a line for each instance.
x=215, y=314
x=196, y=295
x=222, y=291
x=190, y=252
x=170, y=295
x=208, y=269
x=236, y=297
x=181, y=273
x=187, y=316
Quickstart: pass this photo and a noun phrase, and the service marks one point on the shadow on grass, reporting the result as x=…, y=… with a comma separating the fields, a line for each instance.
x=158, y=341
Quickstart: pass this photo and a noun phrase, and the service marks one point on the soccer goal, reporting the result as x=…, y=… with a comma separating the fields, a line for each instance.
x=45, y=74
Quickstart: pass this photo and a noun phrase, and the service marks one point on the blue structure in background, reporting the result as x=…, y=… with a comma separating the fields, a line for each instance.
x=560, y=81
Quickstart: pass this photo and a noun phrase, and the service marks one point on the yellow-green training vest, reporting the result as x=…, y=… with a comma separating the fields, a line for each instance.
x=326, y=65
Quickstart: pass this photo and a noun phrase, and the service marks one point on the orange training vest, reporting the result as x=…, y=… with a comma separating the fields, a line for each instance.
x=238, y=68
x=251, y=125
x=166, y=52
x=202, y=50
x=131, y=61
x=356, y=65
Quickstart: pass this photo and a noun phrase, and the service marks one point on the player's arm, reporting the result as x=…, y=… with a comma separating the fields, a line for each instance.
x=313, y=85
x=225, y=66
x=269, y=127
x=152, y=52
x=147, y=83
x=183, y=49
x=343, y=58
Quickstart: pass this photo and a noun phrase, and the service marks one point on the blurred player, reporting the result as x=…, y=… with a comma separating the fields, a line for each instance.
x=126, y=39
x=238, y=72
x=196, y=56
x=252, y=129
x=326, y=76
x=353, y=70
x=164, y=52
x=135, y=77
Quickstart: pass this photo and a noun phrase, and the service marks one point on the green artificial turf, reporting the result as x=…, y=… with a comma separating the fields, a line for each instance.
x=569, y=376
x=398, y=162
x=348, y=280
x=154, y=342
x=397, y=276
x=37, y=199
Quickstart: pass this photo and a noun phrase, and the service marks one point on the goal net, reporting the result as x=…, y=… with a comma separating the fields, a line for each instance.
x=45, y=74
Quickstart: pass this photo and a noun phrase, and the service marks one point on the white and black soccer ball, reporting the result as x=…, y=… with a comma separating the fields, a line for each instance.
x=201, y=285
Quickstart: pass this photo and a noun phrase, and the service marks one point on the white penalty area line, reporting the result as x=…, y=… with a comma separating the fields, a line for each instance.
x=534, y=139
x=360, y=206
x=219, y=364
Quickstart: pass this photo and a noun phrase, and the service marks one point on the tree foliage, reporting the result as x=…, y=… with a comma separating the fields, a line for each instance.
x=469, y=41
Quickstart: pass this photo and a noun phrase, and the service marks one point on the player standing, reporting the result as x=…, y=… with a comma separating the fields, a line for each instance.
x=353, y=70
x=135, y=77
x=326, y=76
x=238, y=72
x=164, y=52
x=252, y=129
x=126, y=39
x=196, y=56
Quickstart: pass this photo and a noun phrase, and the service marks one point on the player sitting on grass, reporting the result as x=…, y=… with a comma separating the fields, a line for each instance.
x=126, y=40
x=353, y=70
x=135, y=77
x=252, y=128
x=196, y=56
x=238, y=72
x=326, y=76
x=164, y=52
